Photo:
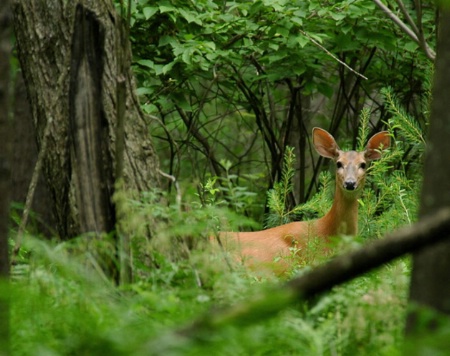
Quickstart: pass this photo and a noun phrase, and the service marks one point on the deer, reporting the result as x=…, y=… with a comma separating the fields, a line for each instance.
x=266, y=246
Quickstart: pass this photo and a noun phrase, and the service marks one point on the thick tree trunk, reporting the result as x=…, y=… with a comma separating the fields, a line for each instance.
x=51, y=66
x=430, y=282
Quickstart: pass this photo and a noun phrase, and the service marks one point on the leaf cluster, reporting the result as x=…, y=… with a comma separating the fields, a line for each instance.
x=228, y=79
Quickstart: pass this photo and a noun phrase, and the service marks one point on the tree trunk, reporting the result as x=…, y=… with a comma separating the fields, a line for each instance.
x=5, y=186
x=71, y=85
x=430, y=281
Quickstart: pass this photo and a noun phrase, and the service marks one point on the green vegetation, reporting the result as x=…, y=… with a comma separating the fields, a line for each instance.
x=219, y=79
x=63, y=304
x=236, y=82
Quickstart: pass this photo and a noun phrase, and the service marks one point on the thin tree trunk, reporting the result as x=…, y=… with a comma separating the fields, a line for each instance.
x=430, y=280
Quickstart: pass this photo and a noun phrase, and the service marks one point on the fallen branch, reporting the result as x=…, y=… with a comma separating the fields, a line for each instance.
x=428, y=231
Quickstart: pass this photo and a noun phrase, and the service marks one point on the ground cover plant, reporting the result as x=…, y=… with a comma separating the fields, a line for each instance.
x=64, y=304
x=230, y=92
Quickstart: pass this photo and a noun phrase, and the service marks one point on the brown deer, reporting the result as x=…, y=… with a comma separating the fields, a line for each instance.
x=263, y=247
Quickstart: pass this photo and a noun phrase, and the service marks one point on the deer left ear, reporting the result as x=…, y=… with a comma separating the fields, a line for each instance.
x=325, y=144
x=376, y=144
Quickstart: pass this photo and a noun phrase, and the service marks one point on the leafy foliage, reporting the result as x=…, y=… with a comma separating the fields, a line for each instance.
x=227, y=81
x=78, y=310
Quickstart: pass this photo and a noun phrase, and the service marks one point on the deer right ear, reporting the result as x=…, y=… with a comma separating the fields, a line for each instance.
x=377, y=142
x=325, y=144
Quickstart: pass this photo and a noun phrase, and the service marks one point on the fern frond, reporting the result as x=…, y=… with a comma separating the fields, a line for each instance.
x=277, y=196
x=363, y=131
x=319, y=203
x=407, y=125
x=288, y=172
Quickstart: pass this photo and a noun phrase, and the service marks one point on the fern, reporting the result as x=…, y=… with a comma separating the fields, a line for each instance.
x=363, y=128
x=319, y=203
x=400, y=120
x=276, y=197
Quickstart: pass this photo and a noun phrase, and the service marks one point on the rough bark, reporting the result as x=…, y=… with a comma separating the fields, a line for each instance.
x=5, y=185
x=44, y=31
x=89, y=144
x=430, y=280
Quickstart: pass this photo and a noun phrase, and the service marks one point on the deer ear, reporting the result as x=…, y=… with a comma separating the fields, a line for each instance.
x=376, y=144
x=325, y=144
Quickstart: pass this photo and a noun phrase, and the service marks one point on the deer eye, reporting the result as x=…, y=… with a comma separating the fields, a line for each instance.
x=339, y=165
x=362, y=165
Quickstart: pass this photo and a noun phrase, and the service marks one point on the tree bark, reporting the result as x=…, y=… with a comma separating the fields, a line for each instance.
x=5, y=185
x=45, y=34
x=430, y=280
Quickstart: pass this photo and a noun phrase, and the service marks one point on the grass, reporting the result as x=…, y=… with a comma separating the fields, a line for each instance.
x=61, y=306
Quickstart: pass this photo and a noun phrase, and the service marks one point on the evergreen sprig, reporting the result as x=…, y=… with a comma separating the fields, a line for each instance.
x=406, y=125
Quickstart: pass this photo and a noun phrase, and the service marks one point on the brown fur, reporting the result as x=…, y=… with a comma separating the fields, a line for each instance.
x=263, y=247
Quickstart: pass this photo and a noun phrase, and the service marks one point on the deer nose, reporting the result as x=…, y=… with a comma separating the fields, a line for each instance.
x=350, y=185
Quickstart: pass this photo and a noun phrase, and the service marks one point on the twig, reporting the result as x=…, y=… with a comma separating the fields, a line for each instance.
x=177, y=186
x=31, y=190
x=409, y=19
x=332, y=55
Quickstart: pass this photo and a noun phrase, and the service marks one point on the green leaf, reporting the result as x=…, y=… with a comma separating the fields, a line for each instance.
x=167, y=8
x=143, y=91
x=165, y=40
x=297, y=20
x=186, y=56
x=282, y=31
x=149, y=108
x=337, y=16
x=168, y=67
x=149, y=12
x=300, y=13
x=411, y=46
x=158, y=69
x=146, y=63
x=302, y=40
x=316, y=37
x=190, y=16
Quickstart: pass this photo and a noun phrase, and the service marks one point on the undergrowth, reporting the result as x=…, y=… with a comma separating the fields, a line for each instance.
x=61, y=304
x=61, y=307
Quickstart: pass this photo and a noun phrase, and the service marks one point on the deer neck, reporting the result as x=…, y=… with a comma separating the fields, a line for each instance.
x=342, y=219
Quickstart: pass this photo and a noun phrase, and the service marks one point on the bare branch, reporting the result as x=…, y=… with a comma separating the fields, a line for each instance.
x=31, y=190
x=409, y=19
x=418, y=6
x=177, y=186
x=428, y=51
x=332, y=55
